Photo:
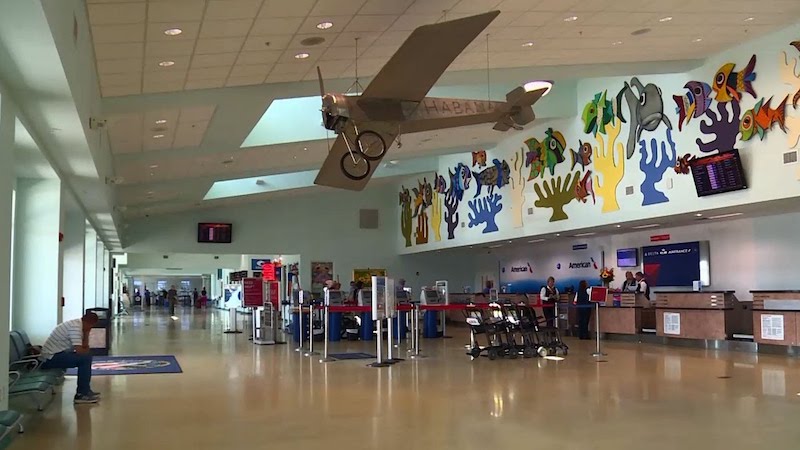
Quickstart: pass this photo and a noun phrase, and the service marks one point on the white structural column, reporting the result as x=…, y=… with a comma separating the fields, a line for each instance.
x=7, y=177
x=74, y=246
x=100, y=298
x=90, y=269
x=37, y=257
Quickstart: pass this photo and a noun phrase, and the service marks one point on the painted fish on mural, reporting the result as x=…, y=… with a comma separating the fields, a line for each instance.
x=459, y=181
x=682, y=166
x=584, y=188
x=646, y=108
x=583, y=156
x=533, y=158
x=439, y=183
x=730, y=85
x=492, y=177
x=598, y=113
x=761, y=118
x=693, y=103
x=554, y=145
x=796, y=97
x=479, y=158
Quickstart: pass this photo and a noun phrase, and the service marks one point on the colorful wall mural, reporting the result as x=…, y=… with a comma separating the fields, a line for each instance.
x=621, y=145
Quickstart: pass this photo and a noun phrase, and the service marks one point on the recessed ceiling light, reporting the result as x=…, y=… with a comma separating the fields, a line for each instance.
x=166, y=63
x=173, y=31
x=301, y=55
x=651, y=225
x=539, y=84
x=615, y=43
x=585, y=234
x=725, y=216
x=535, y=241
x=154, y=166
x=528, y=44
x=750, y=19
x=558, y=234
x=161, y=121
x=619, y=226
x=698, y=215
x=510, y=242
x=496, y=246
x=697, y=40
x=158, y=136
x=571, y=19
x=324, y=25
x=665, y=19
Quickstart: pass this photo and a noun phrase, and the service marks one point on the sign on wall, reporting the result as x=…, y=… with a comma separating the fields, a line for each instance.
x=672, y=323
x=674, y=264
x=365, y=275
x=320, y=273
x=257, y=264
x=568, y=267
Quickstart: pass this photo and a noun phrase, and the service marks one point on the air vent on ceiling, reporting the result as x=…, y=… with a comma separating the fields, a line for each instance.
x=174, y=268
x=790, y=157
x=311, y=41
x=166, y=256
x=629, y=190
x=368, y=219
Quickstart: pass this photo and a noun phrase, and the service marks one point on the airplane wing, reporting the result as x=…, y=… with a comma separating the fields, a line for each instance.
x=331, y=174
x=424, y=56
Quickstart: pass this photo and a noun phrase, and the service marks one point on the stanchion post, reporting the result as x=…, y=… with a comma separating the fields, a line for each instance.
x=299, y=348
x=416, y=353
x=311, y=351
x=325, y=357
x=233, y=327
x=597, y=352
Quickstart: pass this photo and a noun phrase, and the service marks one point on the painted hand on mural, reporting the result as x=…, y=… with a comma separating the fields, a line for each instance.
x=484, y=211
x=405, y=215
x=654, y=166
x=791, y=76
x=609, y=163
x=451, y=202
x=556, y=195
x=436, y=216
x=518, y=182
x=723, y=126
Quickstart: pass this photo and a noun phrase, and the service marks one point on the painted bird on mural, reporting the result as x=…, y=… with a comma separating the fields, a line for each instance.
x=584, y=188
x=730, y=85
x=693, y=103
x=583, y=156
x=761, y=118
x=492, y=177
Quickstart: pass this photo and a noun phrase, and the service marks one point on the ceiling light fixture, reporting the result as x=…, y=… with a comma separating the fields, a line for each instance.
x=539, y=84
x=650, y=225
x=496, y=246
x=699, y=215
x=154, y=166
x=301, y=55
x=166, y=63
x=750, y=19
x=619, y=226
x=558, y=234
x=725, y=216
x=585, y=234
x=697, y=40
x=324, y=25
x=571, y=19
x=665, y=19
x=161, y=121
x=158, y=136
x=615, y=43
x=535, y=241
x=528, y=44
x=173, y=31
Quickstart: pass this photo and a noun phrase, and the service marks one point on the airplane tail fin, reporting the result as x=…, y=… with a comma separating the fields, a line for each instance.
x=519, y=109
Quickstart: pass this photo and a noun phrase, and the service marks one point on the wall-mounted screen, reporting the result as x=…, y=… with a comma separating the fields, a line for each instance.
x=215, y=233
x=628, y=257
x=719, y=173
x=677, y=264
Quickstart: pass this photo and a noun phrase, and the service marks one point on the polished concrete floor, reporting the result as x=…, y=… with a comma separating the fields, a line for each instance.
x=233, y=395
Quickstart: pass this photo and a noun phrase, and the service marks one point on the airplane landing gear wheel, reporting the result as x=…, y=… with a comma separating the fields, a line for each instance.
x=355, y=167
x=371, y=144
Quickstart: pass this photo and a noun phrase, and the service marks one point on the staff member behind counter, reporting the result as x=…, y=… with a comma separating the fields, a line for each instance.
x=549, y=296
x=641, y=285
x=630, y=284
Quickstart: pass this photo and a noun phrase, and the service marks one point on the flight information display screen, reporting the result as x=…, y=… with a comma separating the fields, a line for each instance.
x=719, y=173
x=215, y=233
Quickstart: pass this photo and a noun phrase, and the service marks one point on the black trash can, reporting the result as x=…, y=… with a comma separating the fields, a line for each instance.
x=100, y=335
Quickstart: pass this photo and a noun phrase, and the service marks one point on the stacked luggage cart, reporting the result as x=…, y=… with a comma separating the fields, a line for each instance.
x=510, y=330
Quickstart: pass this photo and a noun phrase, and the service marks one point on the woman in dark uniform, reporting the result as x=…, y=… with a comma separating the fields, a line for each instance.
x=584, y=311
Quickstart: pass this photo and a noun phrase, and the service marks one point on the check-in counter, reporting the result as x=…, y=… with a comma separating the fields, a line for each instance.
x=708, y=315
x=776, y=317
x=625, y=313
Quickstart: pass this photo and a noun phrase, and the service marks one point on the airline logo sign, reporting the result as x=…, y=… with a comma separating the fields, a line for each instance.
x=520, y=269
x=258, y=264
x=583, y=264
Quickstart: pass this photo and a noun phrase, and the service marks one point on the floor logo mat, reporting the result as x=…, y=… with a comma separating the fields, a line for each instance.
x=132, y=365
x=352, y=356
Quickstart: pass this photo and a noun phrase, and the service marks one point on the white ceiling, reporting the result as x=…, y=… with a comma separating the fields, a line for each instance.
x=245, y=42
x=159, y=129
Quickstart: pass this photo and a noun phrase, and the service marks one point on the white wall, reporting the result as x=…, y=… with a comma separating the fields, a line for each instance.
x=90, y=270
x=768, y=178
x=7, y=179
x=74, y=246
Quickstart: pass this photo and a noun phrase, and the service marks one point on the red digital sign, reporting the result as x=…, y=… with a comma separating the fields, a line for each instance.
x=268, y=272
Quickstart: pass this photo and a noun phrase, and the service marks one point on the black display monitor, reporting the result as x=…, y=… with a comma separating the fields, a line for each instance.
x=718, y=173
x=215, y=233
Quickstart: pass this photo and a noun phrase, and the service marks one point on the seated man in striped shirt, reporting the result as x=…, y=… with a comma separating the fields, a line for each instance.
x=68, y=347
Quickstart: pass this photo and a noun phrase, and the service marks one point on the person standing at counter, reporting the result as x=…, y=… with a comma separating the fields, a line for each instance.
x=584, y=310
x=489, y=287
x=641, y=285
x=630, y=283
x=549, y=296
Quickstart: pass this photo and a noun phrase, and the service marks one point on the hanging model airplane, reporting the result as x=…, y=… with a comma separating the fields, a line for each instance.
x=395, y=100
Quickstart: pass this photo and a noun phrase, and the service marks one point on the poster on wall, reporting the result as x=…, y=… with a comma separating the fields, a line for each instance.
x=568, y=267
x=320, y=273
x=676, y=264
x=772, y=327
x=365, y=275
x=672, y=323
